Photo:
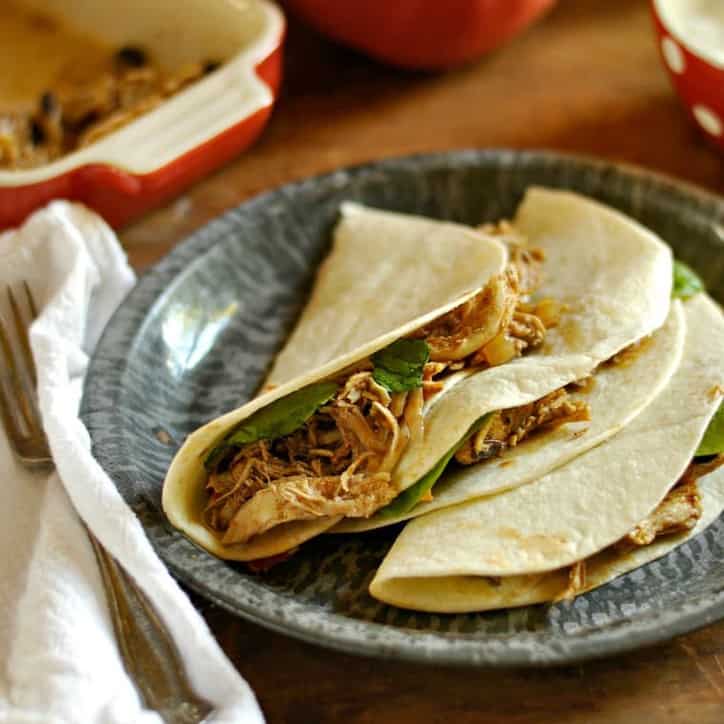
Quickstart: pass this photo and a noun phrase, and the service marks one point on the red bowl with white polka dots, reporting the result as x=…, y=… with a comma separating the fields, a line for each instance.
x=688, y=33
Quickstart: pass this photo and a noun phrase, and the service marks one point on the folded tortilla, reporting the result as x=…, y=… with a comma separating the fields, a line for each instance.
x=384, y=270
x=405, y=245
x=438, y=562
x=612, y=275
x=464, y=594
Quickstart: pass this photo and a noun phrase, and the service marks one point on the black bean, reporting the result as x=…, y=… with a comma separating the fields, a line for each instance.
x=211, y=65
x=37, y=133
x=131, y=56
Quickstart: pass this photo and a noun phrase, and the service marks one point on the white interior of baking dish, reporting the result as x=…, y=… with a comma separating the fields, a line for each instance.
x=243, y=32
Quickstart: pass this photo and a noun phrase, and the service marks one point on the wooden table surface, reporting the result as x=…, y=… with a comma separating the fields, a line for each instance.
x=587, y=79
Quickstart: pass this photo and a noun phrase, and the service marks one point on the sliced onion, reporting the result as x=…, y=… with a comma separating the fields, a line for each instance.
x=413, y=415
x=499, y=350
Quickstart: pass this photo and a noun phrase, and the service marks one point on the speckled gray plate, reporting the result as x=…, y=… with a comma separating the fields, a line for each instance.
x=195, y=336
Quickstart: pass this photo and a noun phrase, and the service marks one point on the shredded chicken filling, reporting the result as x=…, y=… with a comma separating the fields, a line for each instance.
x=73, y=116
x=507, y=428
x=678, y=512
x=493, y=327
x=338, y=463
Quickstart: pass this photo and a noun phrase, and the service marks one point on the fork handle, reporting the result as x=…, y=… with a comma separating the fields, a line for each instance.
x=149, y=654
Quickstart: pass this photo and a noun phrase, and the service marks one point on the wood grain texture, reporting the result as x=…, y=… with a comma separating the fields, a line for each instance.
x=588, y=79
x=679, y=683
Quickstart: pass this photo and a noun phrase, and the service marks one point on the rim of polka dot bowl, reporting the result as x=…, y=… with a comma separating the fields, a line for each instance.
x=695, y=69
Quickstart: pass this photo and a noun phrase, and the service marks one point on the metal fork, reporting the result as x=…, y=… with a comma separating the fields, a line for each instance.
x=149, y=654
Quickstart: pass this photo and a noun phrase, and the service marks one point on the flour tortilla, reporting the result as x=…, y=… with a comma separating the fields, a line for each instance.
x=463, y=594
x=577, y=510
x=384, y=269
x=613, y=275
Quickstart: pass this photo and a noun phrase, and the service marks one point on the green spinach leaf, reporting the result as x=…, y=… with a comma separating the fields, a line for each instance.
x=281, y=417
x=407, y=499
x=398, y=367
x=713, y=441
x=686, y=282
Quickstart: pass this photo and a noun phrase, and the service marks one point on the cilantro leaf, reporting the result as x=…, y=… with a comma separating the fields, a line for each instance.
x=408, y=498
x=713, y=441
x=686, y=282
x=281, y=417
x=398, y=368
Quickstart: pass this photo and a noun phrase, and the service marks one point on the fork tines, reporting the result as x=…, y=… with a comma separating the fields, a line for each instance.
x=18, y=409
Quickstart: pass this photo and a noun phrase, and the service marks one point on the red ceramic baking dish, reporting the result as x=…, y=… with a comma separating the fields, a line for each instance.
x=154, y=157
x=691, y=42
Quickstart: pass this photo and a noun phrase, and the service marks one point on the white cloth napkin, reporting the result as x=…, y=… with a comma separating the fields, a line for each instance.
x=59, y=660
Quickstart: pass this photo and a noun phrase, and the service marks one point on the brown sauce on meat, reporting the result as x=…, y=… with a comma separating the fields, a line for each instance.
x=583, y=387
x=629, y=354
x=716, y=391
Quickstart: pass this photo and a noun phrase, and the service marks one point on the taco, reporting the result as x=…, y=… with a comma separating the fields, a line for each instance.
x=613, y=395
x=537, y=543
x=356, y=433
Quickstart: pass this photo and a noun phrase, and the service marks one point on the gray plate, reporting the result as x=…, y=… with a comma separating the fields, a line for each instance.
x=195, y=336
